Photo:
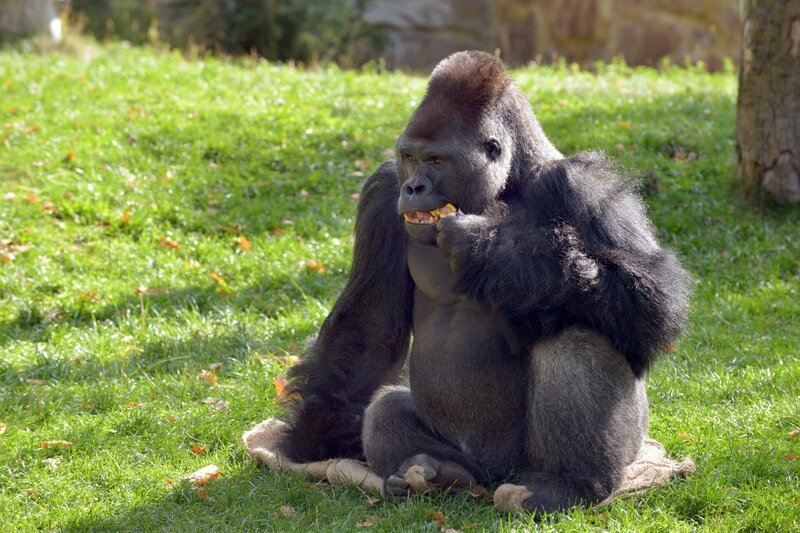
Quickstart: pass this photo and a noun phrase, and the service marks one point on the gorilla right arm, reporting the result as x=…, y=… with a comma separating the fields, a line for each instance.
x=363, y=341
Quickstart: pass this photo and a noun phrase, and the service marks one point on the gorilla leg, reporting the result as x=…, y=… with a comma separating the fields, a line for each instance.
x=395, y=439
x=587, y=417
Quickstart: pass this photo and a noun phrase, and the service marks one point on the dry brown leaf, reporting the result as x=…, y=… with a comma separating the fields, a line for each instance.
x=3, y=428
x=150, y=291
x=687, y=437
x=791, y=457
x=362, y=164
x=87, y=406
x=316, y=267
x=70, y=156
x=31, y=492
x=624, y=124
x=793, y=434
x=368, y=522
x=478, y=493
x=169, y=482
x=55, y=444
x=202, y=494
x=88, y=296
x=439, y=517
x=133, y=405
x=208, y=400
x=289, y=360
x=124, y=218
x=170, y=419
x=78, y=361
x=199, y=450
x=244, y=243
x=287, y=511
x=166, y=242
x=209, y=376
x=216, y=277
x=280, y=386
x=32, y=128
x=7, y=257
x=49, y=208
x=221, y=405
x=230, y=230
x=215, y=366
x=36, y=382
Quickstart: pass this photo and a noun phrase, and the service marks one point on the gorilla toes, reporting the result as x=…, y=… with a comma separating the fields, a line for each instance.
x=423, y=472
x=396, y=488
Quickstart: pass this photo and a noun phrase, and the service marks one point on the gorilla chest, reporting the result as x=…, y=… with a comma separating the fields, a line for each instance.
x=460, y=353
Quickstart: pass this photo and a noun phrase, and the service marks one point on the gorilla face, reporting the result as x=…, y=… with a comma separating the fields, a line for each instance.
x=449, y=172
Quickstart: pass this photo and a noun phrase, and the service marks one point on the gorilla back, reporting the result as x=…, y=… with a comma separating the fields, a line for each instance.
x=536, y=291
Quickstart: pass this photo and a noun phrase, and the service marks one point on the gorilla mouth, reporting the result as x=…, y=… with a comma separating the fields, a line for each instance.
x=430, y=217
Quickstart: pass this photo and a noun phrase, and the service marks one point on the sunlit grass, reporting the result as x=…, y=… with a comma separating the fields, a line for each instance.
x=126, y=183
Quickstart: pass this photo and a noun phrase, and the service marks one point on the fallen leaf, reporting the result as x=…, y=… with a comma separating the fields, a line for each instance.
x=221, y=405
x=51, y=463
x=687, y=437
x=288, y=360
x=3, y=428
x=368, y=522
x=304, y=193
x=624, y=124
x=280, y=386
x=31, y=197
x=230, y=230
x=244, y=243
x=55, y=444
x=208, y=400
x=49, y=208
x=362, y=164
x=791, y=457
x=478, y=493
x=439, y=517
x=287, y=511
x=372, y=501
x=32, y=128
x=199, y=450
x=150, y=291
x=124, y=218
x=87, y=406
x=88, y=296
x=602, y=517
x=31, y=492
x=793, y=434
x=316, y=267
x=216, y=277
x=70, y=156
x=78, y=361
x=169, y=243
x=215, y=366
x=169, y=482
x=36, y=382
x=671, y=347
x=133, y=405
x=209, y=376
x=170, y=419
x=202, y=494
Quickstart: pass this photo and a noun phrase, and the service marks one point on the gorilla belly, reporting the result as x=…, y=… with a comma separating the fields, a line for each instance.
x=466, y=383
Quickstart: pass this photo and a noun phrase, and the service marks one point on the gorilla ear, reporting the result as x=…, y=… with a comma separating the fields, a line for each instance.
x=493, y=149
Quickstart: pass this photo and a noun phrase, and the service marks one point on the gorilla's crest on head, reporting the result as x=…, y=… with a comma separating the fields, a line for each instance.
x=474, y=80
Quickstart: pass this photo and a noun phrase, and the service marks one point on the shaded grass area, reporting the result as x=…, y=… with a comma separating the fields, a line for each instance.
x=127, y=182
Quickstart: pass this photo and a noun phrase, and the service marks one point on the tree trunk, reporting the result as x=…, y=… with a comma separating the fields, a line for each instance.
x=29, y=17
x=768, y=112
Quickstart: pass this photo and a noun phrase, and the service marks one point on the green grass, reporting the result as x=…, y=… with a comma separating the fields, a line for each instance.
x=103, y=158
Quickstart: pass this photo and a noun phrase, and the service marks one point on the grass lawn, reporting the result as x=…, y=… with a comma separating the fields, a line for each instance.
x=162, y=217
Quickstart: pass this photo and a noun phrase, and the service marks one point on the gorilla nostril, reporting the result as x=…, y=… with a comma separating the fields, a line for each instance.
x=409, y=190
x=419, y=189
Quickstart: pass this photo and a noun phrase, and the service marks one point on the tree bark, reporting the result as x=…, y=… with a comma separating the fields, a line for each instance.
x=768, y=111
x=29, y=17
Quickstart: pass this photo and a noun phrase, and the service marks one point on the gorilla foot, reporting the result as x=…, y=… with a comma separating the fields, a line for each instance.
x=422, y=473
x=542, y=492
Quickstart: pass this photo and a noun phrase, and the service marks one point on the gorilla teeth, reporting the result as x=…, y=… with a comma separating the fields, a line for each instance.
x=430, y=217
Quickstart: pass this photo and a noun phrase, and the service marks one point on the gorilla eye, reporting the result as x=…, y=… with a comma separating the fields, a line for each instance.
x=438, y=161
x=493, y=149
x=409, y=157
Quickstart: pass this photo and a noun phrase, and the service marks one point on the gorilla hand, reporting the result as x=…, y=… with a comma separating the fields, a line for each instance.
x=458, y=237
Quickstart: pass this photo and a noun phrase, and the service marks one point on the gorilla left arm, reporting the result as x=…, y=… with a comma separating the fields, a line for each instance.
x=578, y=248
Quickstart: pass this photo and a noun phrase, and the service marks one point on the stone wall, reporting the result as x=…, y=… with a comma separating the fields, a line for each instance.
x=421, y=32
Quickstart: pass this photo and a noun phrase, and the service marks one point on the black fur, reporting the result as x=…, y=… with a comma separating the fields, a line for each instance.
x=536, y=310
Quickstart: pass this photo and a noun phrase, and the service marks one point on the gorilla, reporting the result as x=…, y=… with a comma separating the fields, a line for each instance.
x=526, y=290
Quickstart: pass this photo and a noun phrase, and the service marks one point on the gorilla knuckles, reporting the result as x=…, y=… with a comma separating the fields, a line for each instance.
x=535, y=310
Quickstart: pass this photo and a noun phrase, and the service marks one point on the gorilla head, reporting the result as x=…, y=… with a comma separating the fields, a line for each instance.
x=472, y=138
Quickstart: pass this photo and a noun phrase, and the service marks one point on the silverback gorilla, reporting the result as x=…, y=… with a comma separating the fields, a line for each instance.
x=536, y=294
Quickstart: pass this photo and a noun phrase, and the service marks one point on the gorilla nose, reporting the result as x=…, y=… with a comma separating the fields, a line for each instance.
x=417, y=187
